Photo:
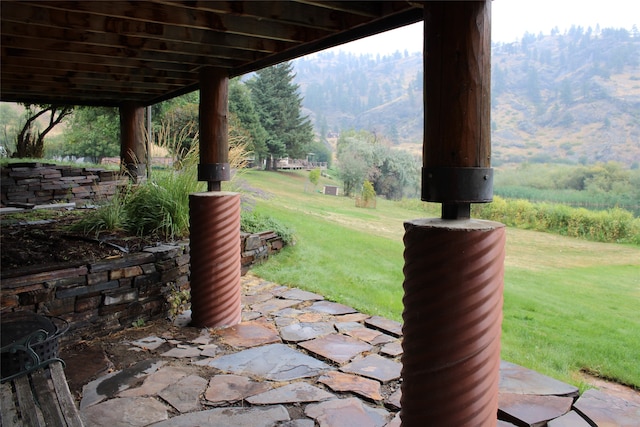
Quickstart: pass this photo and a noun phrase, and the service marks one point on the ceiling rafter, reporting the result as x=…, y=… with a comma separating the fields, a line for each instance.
x=106, y=52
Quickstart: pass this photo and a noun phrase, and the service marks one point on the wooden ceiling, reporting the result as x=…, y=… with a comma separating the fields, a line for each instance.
x=110, y=52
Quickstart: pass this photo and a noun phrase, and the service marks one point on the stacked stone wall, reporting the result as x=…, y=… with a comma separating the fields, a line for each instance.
x=104, y=296
x=42, y=183
x=112, y=294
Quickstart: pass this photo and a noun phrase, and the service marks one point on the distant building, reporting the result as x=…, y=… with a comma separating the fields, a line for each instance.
x=331, y=190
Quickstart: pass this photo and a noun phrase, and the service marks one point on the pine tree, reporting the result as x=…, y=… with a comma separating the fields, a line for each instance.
x=278, y=104
x=241, y=105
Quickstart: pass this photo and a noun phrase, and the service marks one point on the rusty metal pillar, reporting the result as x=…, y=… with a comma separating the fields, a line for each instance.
x=214, y=215
x=215, y=258
x=132, y=147
x=454, y=264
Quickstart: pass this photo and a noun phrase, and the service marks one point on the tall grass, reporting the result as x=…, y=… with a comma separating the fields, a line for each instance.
x=110, y=216
x=161, y=207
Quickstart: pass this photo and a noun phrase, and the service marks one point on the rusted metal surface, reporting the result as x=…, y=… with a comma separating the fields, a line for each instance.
x=215, y=259
x=452, y=318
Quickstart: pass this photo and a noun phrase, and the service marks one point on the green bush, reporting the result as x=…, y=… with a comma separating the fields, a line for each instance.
x=614, y=225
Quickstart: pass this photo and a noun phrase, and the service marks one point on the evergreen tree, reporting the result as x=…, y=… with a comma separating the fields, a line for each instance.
x=278, y=104
x=241, y=105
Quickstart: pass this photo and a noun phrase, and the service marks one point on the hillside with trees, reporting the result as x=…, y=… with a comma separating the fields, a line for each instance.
x=572, y=97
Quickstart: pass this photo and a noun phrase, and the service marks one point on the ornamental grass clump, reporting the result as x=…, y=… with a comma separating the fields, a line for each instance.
x=110, y=216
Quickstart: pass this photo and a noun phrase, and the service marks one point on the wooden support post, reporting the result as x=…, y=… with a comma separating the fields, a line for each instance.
x=453, y=271
x=457, y=78
x=132, y=147
x=214, y=143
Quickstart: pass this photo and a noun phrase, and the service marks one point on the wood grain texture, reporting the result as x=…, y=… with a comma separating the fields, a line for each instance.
x=457, y=77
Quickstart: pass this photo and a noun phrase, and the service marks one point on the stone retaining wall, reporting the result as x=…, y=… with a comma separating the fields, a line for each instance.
x=40, y=183
x=103, y=296
x=112, y=294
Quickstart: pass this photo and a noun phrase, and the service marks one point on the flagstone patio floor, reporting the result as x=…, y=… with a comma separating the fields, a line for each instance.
x=299, y=360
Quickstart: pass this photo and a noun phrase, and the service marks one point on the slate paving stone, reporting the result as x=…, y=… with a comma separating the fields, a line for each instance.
x=249, y=300
x=125, y=411
x=204, y=338
x=249, y=334
x=302, y=422
x=517, y=379
x=254, y=372
x=282, y=322
x=349, y=412
x=224, y=389
x=571, y=419
x=300, y=295
x=298, y=392
x=311, y=316
x=156, y=382
x=352, y=317
x=183, y=352
x=277, y=362
x=273, y=305
x=383, y=339
x=258, y=416
x=394, y=398
x=329, y=307
x=305, y=331
x=364, y=334
x=343, y=327
x=385, y=325
x=339, y=381
x=278, y=289
x=392, y=349
x=604, y=410
x=336, y=347
x=375, y=366
x=209, y=350
x=289, y=312
x=250, y=315
x=185, y=394
x=112, y=384
x=149, y=343
x=532, y=410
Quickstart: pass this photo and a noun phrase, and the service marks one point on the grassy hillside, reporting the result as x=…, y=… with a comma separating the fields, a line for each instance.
x=570, y=305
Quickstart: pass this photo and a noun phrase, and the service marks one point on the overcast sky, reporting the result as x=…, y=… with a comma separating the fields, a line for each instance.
x=511, y=18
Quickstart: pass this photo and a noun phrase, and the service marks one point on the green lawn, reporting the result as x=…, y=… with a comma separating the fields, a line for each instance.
x=570, y=305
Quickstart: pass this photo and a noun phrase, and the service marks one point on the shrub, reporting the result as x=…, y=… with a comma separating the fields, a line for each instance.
x=256, y=222
x=614, y=225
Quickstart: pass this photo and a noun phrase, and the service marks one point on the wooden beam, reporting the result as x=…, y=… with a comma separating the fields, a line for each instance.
x=132, y=147
x=152, y=18
x=214, y=143
x=457, y=136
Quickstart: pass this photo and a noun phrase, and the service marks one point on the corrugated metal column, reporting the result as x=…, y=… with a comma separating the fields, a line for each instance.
x=454, y=264
x=132, y=148
x=214, y=215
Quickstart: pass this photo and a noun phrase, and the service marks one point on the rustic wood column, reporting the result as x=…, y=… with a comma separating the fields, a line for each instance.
x=132, y=147
x=214, y=142
x=454, y=265
x=214, y=215
x=457, y=135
